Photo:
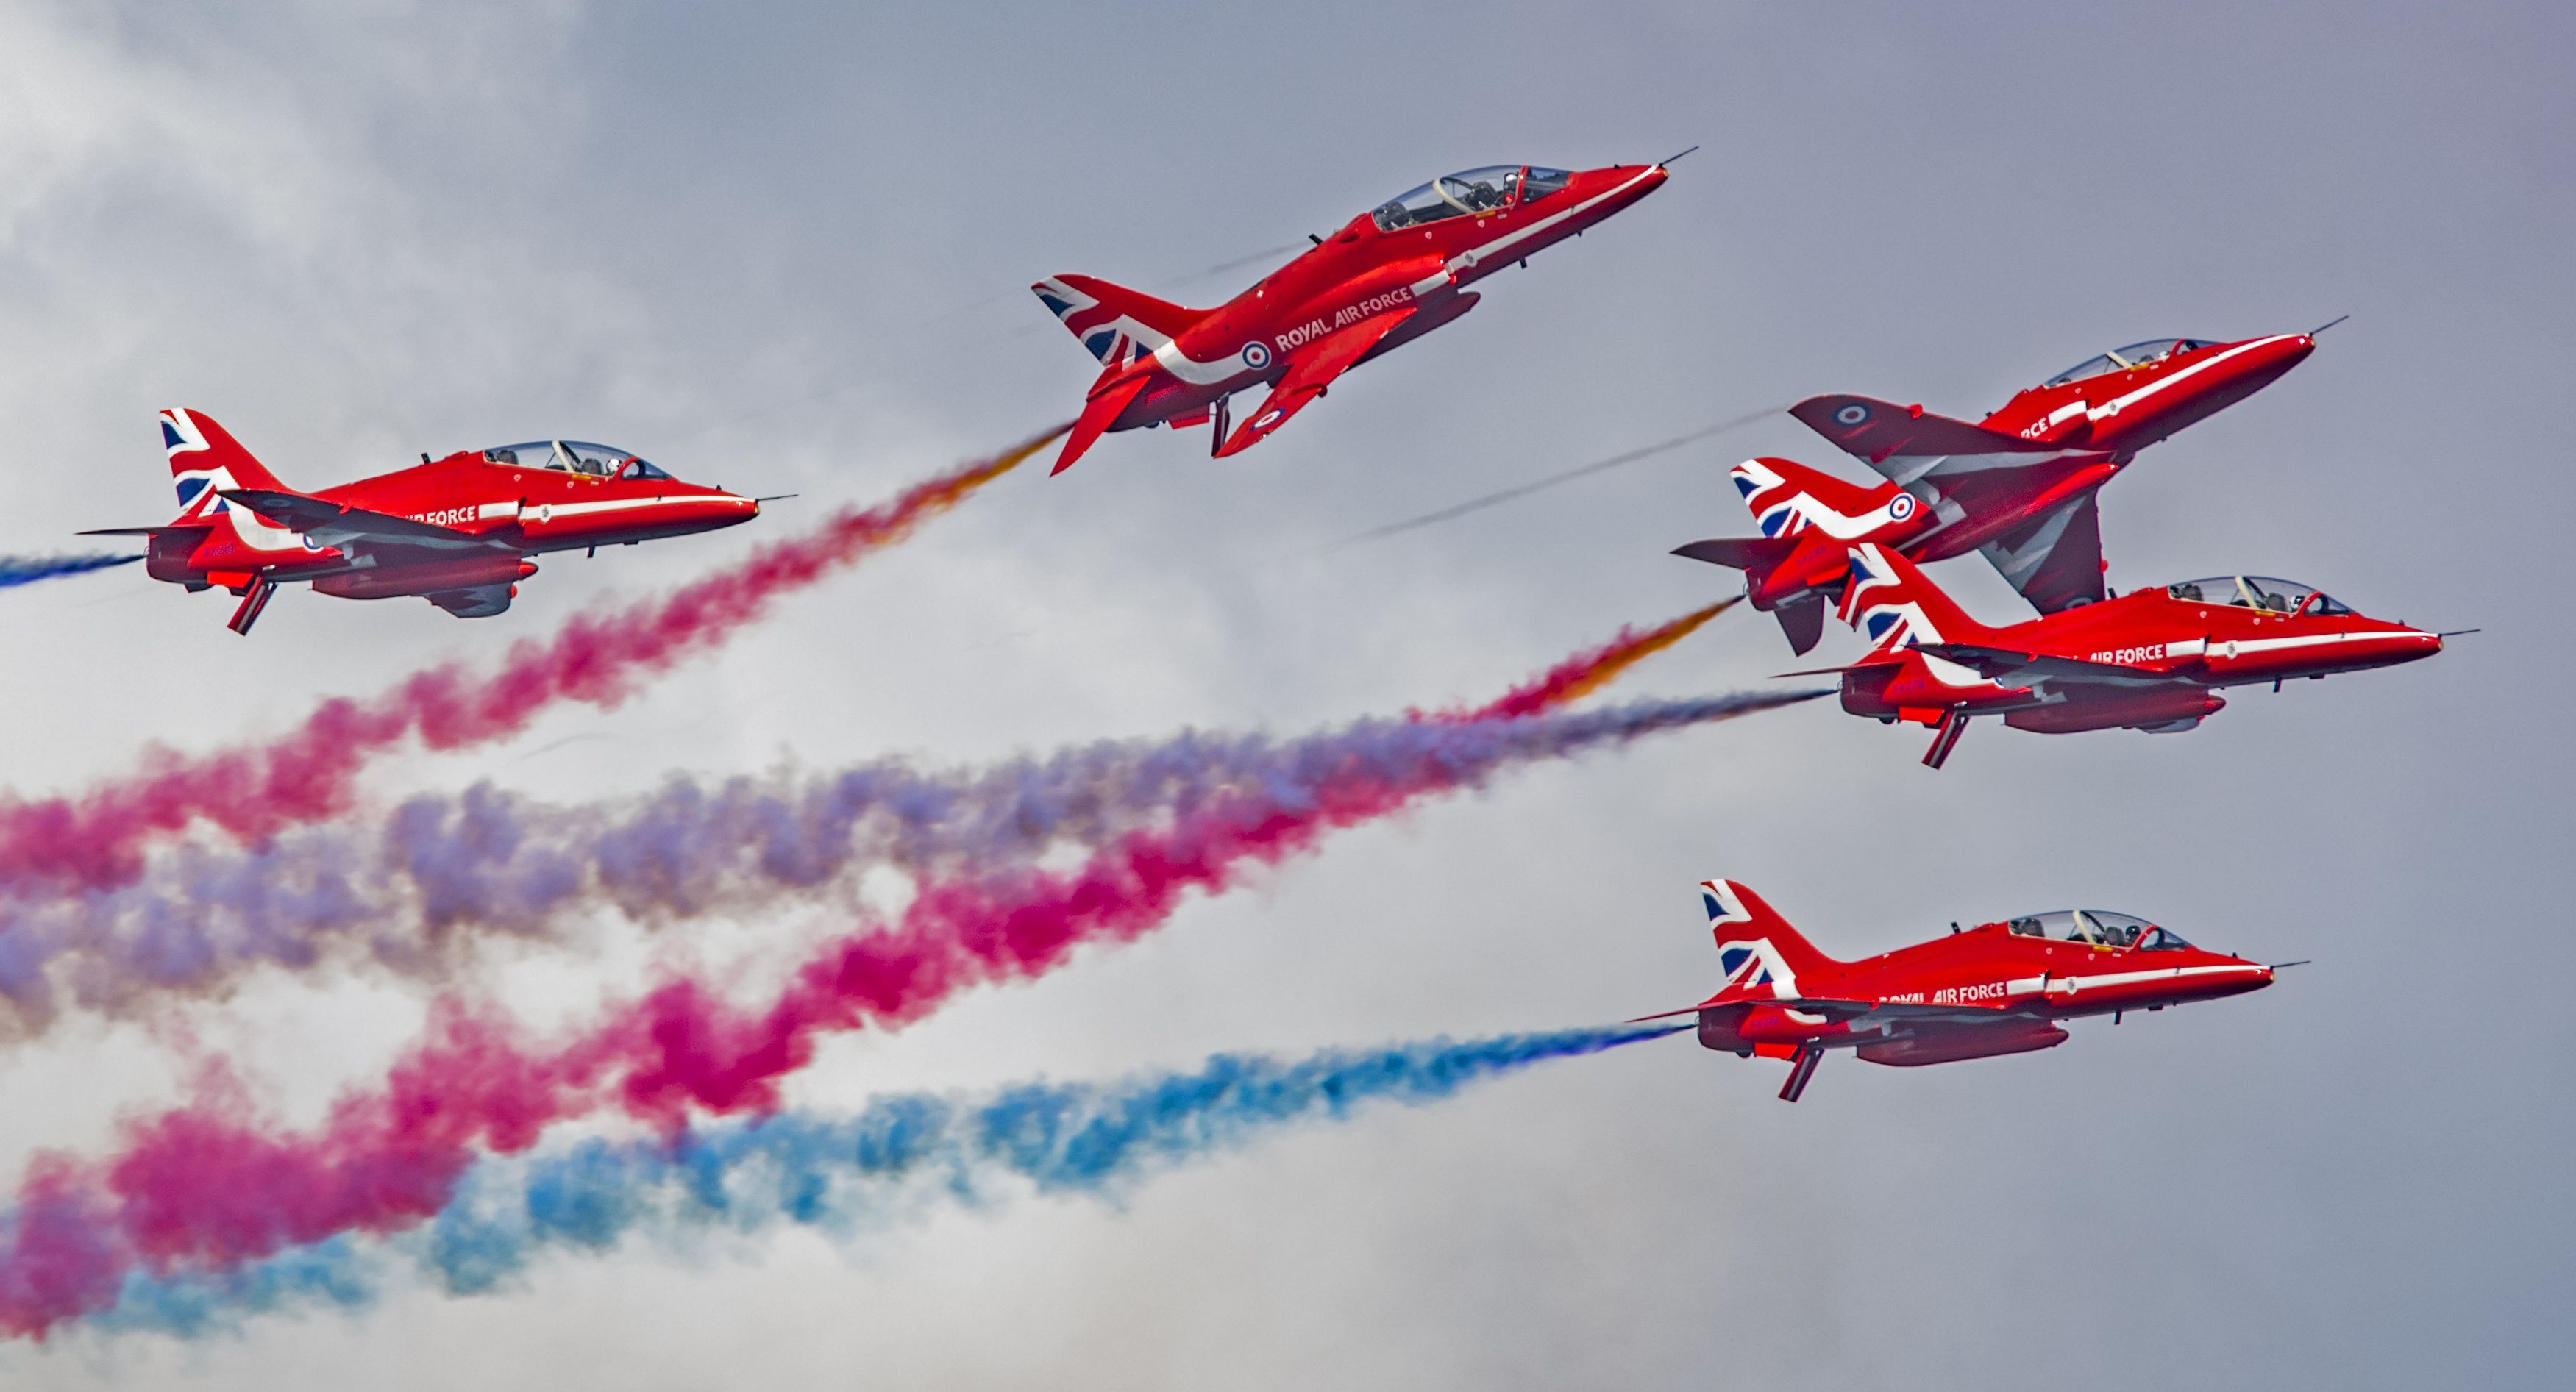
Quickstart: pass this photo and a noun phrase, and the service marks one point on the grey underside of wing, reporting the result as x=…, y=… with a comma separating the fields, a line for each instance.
x=1909, y=1013
x=332, y=525
x=2056, y=562
x=477, y=602
x=1905, y=470
x=2033, y=669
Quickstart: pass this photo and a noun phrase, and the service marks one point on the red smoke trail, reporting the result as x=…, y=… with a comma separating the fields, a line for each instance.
x=440, y=873
x=96, y=839
x=202, y=1187
x=1584, y=673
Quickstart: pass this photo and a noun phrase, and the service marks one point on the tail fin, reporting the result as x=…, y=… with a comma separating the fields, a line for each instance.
x=205, y=461
x=1761, y=954
x=1786, y=498
x=1117, y=324
x=1896, y=605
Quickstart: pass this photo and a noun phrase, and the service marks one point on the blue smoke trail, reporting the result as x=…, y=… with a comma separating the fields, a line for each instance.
x=27, y=570
x=902, y=1151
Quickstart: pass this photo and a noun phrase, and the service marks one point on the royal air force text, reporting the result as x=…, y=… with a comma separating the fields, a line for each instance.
x=1953, y=995
x=1313, y=329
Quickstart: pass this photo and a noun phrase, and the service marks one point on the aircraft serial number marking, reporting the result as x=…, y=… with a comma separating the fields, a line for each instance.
x=1348, y=315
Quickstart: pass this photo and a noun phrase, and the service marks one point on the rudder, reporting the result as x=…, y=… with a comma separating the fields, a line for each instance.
x=1117, y=325
x=1786, y=498
x=1894, y=604
x=205, y=460
x=1755, y=945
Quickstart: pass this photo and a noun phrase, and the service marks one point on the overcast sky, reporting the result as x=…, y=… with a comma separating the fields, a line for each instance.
x=786, y=251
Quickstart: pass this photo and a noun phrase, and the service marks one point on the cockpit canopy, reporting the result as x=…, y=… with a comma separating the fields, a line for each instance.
x=2122, y=359
x=2259, y=592
x=573, y=457
x=2097, y=926
x=1488, y=190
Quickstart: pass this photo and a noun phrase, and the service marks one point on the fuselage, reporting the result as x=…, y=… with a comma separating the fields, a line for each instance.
x=524, y=500
x=1994, y=989
x=1376, y=264
x=2148, y=659
x=2099, y=413
x=2126, y=400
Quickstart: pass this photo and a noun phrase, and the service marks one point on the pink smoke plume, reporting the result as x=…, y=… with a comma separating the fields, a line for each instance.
x=254, y=792
x=206, y=1186
x=415, y=891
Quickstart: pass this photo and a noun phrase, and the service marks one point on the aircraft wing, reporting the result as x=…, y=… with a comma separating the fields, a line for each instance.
x=330, y=524
x=1906, y=443
x=1310, y=371
x=2015, y=668
x=1845, y=1009
x=2056, y=562
x=1966, y=1013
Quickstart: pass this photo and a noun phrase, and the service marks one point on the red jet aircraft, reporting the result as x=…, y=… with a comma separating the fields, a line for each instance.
x=1997, y=988
x=2116, y=403
x=2035, y=519
x=455, y=532
x=1389, y=277
x=2021, y=486
x=2152, y=659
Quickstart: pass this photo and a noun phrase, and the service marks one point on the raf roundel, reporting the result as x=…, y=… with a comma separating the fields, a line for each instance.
x=1900, y=507
x=1853, y=414
x=1256, y=356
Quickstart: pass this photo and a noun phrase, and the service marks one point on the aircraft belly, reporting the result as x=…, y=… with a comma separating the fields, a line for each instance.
x=1965, y=1042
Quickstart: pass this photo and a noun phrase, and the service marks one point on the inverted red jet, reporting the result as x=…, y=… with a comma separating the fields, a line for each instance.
x=1997, y=988
x=2035, y=519
x=456, y=531
x=2020, y=486
x=2153, y=659
x=1390, y=276
x=2117, y=403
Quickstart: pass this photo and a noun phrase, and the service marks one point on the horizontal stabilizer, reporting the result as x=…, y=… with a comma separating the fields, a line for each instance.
x=1098, y=414
x=1740, y=553
x=146, y=531
x=1883, y=659
x=1802, y=623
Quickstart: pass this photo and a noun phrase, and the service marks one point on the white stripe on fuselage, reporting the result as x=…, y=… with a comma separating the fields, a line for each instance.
x=551, y=511
x=627, y=505
x=2076, y=984
x=2118, y=404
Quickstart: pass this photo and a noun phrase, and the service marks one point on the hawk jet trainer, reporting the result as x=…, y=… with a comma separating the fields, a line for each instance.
x=2153, y=659
x=456, y=531
x=1386, y=278
x=2021, y=486
x=1997, y=988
